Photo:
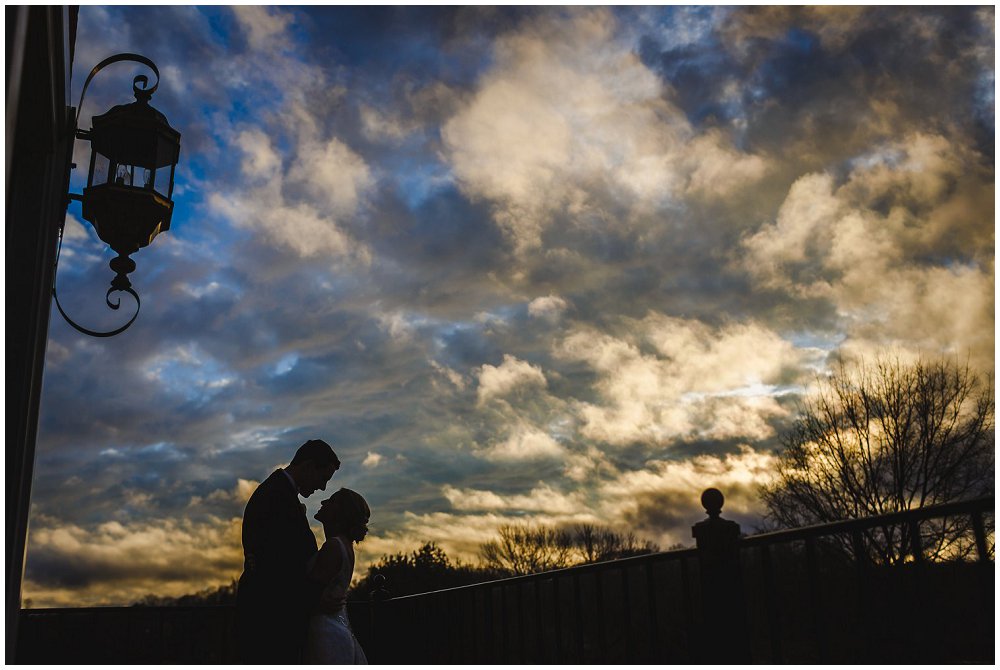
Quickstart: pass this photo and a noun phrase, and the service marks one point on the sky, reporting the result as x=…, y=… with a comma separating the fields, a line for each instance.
x=538, y=265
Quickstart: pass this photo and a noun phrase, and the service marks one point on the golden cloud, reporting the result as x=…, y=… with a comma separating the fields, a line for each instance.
x=903, y=248
x=571, y=122
x=697, y=381
x=117, y=563
x=511, y=374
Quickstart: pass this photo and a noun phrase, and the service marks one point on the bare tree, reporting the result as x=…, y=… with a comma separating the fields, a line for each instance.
x=522, y=549
x=594, y=544
x=888, y=437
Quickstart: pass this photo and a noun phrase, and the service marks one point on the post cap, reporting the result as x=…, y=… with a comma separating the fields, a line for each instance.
x=712, y=500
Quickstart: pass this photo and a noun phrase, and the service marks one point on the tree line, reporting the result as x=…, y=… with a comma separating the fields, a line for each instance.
x=518, y=549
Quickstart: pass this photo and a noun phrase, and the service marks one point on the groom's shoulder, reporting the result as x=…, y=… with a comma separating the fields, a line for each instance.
x=272, y=478
x=267, y=488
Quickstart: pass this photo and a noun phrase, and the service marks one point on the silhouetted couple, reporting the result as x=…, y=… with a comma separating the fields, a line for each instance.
x=292, y=598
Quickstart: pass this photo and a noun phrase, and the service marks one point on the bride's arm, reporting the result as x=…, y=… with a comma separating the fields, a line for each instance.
x=327, y=564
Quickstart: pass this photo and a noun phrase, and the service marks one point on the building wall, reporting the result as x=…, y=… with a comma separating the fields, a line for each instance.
x=39, y=129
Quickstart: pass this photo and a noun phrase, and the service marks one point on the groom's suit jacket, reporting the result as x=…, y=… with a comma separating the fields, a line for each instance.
x=274, y=596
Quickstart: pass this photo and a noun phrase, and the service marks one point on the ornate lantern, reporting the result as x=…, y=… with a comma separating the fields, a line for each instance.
x=134, y=153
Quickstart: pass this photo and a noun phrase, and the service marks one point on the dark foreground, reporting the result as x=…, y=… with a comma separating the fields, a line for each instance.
x=804, y=596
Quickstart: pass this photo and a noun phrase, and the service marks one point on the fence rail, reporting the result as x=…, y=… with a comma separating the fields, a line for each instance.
x=809, y=594
x=782, y=596
x=975, y=508
x=600, y=612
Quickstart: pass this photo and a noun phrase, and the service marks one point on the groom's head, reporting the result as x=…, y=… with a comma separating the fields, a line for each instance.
x=312, y=466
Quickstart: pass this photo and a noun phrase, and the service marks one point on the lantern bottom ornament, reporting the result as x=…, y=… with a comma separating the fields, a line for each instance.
x=122, y=265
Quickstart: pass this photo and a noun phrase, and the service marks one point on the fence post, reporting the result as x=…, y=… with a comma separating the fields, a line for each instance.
x=723, y=637
x=379, y=594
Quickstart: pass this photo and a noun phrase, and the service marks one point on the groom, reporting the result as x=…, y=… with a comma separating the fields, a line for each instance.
x=274, y=596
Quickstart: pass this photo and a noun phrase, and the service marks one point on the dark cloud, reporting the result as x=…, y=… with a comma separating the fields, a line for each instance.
x=414, y=40
x=783, y=72
x=674, y=512
x=445, y=238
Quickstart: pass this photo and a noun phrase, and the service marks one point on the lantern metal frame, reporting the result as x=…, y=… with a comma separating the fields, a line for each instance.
x=126, y=209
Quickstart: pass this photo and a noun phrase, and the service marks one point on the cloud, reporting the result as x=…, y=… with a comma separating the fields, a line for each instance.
x=895, y=248
x=298, y=184
x=260, y=160
x=717, y=169
x=73, y=229
x=379, y=126
x=512, y=374
x=332, y=176
x=547, y=307
x=266, y=28
x=116, y=563
x=674, y=379
x=222, y=497
x=570, y=124
x=834, y=25
x=459, y=535
x=453, y=377
x=542, y=498
x=244, y=489
x=372, y=460
x=524, y=443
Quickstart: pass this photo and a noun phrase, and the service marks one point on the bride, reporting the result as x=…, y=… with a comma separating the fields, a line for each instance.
x=329, y=639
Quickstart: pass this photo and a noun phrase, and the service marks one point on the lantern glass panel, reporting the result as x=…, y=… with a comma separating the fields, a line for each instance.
x=163, y=180
x=102, y=166
x=166, y=150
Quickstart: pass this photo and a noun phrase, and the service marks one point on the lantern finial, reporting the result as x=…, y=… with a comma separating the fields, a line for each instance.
x=145, y=93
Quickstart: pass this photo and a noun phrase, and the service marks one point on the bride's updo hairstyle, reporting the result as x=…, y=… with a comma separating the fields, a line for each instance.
x=351, y=514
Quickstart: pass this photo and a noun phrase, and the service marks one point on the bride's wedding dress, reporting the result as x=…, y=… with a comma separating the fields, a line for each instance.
x=330, y=639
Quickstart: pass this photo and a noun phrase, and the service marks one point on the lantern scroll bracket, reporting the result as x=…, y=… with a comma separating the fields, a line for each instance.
x=118, y=58
x=119, y=284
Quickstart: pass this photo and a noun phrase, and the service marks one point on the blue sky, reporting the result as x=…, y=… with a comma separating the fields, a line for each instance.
x=549, y=264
